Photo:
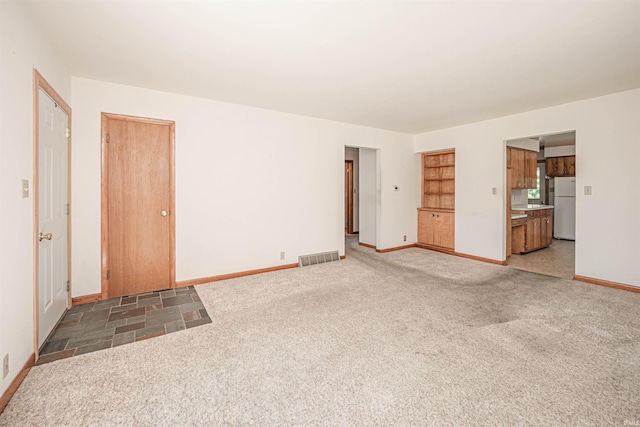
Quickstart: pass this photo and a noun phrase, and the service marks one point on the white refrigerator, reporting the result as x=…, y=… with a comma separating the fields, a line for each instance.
x=564, y=208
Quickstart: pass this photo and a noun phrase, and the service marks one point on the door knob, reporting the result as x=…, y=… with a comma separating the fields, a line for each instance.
x=163, y=213
x=47, y=236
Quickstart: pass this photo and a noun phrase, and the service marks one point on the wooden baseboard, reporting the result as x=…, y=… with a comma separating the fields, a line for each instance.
x=86, y=298
x=366, y=245
x=460, y=254
x=202, y=280
x=397, y=248
x=13, y=387
x=606, y=283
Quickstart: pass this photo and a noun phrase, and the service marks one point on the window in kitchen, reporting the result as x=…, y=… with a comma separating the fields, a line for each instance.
x=534, y=193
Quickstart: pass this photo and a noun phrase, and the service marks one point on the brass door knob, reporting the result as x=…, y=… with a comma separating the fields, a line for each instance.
x=47, y=236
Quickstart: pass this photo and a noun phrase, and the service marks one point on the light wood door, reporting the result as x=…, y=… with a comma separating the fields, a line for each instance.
x=52, y=234
x=138, y=205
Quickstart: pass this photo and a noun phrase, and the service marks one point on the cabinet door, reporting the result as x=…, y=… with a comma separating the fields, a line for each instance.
x=517, y=168
x=530, y=169
x=552, y=167
x=570, y=165
x=548, y=224
x=425, y=227
x=445, y=235
x=533, y=234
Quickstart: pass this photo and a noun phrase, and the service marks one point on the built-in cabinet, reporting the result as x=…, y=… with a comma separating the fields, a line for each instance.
x=436, y=217
x=561, y=166
x=436, y=228
x=533, y=232
x=524, y=165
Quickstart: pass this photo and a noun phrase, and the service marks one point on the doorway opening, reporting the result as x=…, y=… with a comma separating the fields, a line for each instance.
x=51, y=208
x=360, y=196
x=540, y=205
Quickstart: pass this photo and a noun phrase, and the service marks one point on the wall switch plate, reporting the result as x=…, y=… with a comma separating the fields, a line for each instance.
x=5, y=365
x=281, y=255
x=25, y=188
x=587, y=190
x=494, y=191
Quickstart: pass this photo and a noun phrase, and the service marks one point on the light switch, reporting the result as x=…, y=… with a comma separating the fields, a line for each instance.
x=587, y=190
x=25, y=188
x=494, y=191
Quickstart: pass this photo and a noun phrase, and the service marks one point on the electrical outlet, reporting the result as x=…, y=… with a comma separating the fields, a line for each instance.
x=5, y=365
x=405, y=237
x=281, y=255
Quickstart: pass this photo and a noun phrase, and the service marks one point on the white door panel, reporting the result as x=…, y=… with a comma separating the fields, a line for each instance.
x=52, y=215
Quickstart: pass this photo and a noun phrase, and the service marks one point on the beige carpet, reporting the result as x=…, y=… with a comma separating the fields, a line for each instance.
x=405, y=338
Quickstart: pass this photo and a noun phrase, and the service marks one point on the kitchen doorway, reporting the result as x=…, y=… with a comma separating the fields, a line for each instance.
x=540, y=207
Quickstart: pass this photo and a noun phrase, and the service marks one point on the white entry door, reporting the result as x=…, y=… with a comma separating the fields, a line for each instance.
x=52, y=241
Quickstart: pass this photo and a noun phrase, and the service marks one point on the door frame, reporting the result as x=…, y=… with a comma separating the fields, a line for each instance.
x=104, y=197
x=349, y=190
x=39, y=83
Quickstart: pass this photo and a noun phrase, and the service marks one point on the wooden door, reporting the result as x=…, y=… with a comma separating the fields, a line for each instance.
x=445, y=229
x=52, y=220
x=530, y=169
x=570, y=165
x=348, y=193
x=517, y=168
x=533, y=234
x=137, y=205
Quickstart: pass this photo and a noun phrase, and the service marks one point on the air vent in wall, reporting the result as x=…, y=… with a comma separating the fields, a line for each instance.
x=306, y=260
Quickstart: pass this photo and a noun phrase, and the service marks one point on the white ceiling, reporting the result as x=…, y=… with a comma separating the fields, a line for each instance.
x=404, y=66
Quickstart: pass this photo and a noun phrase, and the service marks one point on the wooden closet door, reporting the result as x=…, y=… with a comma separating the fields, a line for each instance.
x=139, y=180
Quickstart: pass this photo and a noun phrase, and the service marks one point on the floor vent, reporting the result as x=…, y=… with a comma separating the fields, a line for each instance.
x=306, y=260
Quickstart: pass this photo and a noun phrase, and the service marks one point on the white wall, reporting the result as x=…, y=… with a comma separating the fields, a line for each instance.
x=22, y=48
x=369, y=178
x=559, y=151
x=607, y=155
x=351, y=153
x=250, y=183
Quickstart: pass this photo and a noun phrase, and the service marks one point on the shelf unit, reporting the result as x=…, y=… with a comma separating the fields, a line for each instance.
x=438, y=184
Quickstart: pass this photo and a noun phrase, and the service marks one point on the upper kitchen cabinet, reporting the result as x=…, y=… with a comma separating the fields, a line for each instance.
x=561, y=166
x=523, y=164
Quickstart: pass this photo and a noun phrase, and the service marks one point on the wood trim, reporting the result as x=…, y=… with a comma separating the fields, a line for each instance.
x=607, y=283
x=202, y=280
x=349, y=191
x=397, y=248
x=366, y=245
x=460, y=254
x=39, y=82
x=437, y=210
x=343, y=256
x=443, y=151
x=13, y=387
x=87, y=298
x=104, y=198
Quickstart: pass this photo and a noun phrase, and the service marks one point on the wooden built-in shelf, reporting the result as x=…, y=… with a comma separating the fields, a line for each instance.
x=436, y=216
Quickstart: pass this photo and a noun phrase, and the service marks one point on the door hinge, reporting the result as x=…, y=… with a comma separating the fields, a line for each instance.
x=108, y=138
x=68, y=285
x=67, y=132
x=68, y=210
x=108, y=274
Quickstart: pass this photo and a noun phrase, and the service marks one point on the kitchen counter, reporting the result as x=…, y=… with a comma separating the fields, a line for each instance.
x=530, y=207
x=518, y=216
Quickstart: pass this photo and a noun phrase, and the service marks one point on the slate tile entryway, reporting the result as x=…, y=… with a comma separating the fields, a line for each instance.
x=123, y=320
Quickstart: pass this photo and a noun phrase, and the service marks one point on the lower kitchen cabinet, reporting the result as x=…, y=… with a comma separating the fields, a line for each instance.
x=533, y=232
x=436, y=228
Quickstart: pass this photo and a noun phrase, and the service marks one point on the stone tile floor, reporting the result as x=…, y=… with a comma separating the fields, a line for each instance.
x=123, y=320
